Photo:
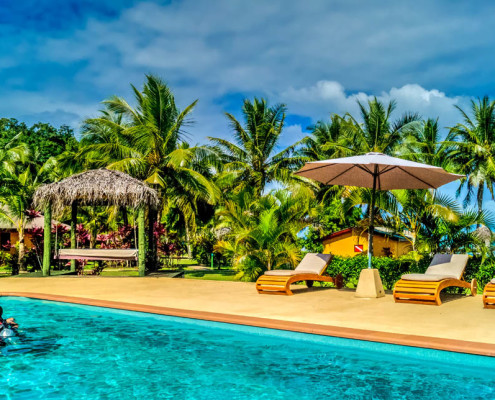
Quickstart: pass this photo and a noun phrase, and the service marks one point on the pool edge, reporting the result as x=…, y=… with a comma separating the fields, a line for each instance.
x=428, y=342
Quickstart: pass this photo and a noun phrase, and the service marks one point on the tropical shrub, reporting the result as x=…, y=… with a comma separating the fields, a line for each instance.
x=203, y=247
x=6, y=259
x=311, y=241
x=481, y=270
x=263, y=232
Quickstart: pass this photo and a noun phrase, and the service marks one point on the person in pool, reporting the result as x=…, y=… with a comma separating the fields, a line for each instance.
x=7, y=323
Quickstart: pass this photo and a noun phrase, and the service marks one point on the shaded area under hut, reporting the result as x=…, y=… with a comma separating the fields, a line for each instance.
x=99, y=187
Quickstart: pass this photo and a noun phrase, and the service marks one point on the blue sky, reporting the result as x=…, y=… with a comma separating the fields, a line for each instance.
x=60, y=59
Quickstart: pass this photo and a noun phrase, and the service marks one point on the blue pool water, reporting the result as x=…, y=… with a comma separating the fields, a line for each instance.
x=80, y=352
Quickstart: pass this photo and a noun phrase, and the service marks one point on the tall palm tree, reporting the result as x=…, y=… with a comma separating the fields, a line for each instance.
x=251, y=160
x=147, y=141
x=473, y=143
x=377, y=132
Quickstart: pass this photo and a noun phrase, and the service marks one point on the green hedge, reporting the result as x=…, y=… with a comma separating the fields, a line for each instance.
x=483, y=272
x=391, y=269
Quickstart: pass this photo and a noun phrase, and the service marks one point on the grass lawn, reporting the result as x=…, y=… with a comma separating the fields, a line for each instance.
x=119, y=272
x=223, y=274
x=214, y=274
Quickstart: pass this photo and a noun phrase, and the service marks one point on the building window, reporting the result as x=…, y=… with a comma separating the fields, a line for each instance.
x=4, y=239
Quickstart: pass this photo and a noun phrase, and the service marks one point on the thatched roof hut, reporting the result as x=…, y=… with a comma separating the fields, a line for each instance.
x=97, y=187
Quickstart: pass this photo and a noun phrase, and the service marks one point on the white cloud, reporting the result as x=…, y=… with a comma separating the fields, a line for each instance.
x=318, y=59
x=326, y=97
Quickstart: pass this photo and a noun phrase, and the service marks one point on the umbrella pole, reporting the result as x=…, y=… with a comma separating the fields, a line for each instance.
x=372, y=218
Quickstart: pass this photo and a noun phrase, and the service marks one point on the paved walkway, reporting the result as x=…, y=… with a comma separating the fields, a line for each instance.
x=458, y=318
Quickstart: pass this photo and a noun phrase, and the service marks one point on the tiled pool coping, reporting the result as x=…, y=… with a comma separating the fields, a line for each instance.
x=459, y=346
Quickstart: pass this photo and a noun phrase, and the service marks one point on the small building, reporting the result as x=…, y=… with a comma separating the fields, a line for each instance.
x=9, y=234
x=353, y=241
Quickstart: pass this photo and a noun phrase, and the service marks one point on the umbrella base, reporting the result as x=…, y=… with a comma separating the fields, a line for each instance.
x=370, y=284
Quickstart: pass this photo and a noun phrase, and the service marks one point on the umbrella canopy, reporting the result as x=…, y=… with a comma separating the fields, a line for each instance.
x=376, y=171
x=385, y=171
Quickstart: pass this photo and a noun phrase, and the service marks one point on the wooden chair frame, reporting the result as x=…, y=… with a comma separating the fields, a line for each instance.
x=489, y=296
x=276, y=284
x=428, y=292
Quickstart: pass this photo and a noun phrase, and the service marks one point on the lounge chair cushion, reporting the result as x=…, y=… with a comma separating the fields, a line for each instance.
x=288, y=272
x=448, y=264
x=427, y=277
x=440, y=258
x=313, y=263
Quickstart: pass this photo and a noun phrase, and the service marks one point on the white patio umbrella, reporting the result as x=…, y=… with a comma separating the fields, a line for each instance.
x=376, y=171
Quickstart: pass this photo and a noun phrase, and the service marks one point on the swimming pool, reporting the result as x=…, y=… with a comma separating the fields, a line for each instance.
x=83, y=352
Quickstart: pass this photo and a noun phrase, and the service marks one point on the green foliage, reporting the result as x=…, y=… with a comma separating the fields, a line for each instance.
x=222, y=188
x=147, y=141
x=7, y=259
x=473, y=149
x=251, y=160
x=483, y=270
x=47, y=140
x=213, y=275
x=203, y=246
x=390, y=269
x=262, y=232
x=311, y=241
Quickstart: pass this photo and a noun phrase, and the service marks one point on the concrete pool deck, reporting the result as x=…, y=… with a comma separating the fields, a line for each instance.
x=459, y=324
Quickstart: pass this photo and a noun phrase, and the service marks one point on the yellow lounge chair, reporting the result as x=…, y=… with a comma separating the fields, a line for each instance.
x=489, y=295
x=311, y=268
x=444, y=271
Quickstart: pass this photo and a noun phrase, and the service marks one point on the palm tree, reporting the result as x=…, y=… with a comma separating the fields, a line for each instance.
x=411, y=216
x=473, y=143
x=147, y=141
x=20, y=179
x=377, y=133
x=424, y=144
x=460, y=235
x=262, y=231
x=251, y=160
x=322, y=143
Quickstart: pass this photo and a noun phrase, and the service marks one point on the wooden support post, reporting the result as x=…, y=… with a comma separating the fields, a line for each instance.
x=47, y=234
x=152, y=259
x=141, y=242
x=73, y=233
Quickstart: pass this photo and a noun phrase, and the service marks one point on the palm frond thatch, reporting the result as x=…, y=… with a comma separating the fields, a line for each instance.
x=97, y=187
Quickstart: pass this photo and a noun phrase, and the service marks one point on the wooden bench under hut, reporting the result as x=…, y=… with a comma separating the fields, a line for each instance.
x=99, y=187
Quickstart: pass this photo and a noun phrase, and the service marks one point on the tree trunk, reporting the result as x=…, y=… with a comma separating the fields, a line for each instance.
x=125, y=218
x=188, y=242
x=152, y=245
x=141, y=242
x=22, y=249
x=73, y=233
x=92, y=239
x=47, y=248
